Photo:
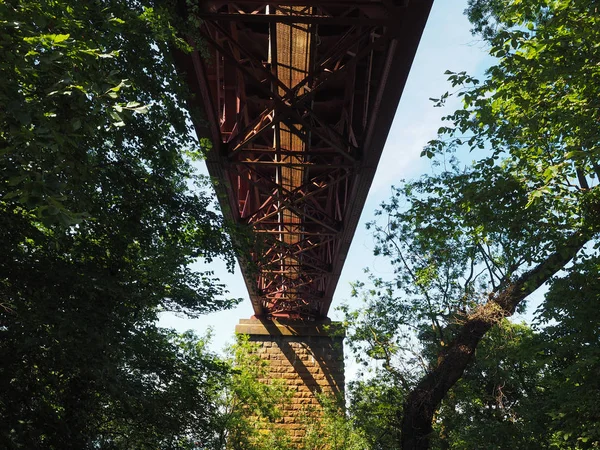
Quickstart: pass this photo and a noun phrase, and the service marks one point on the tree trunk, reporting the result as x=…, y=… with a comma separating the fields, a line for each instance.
x=425, y=398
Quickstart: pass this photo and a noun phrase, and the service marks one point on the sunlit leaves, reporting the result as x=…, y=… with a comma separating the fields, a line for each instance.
x=461, y=237
x=545, y=78
x=250, y=406
x=101, y=215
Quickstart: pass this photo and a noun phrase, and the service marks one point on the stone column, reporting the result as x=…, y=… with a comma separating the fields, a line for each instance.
x=309, y=356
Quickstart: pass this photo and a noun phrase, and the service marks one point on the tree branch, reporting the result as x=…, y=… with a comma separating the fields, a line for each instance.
x=423, y=401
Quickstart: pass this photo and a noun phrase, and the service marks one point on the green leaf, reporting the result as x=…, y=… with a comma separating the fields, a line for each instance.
x=57, y=38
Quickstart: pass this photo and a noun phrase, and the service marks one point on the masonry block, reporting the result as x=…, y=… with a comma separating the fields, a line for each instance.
x=308, y=356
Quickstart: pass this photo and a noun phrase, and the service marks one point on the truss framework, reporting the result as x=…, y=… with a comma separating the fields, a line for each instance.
x=299, y=98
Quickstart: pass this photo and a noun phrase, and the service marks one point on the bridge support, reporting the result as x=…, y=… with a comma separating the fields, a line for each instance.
x=309, y=356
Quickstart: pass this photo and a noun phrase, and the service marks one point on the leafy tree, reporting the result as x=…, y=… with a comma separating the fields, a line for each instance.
x=533, y=388
x=571, y=356
x=172, y=384
x=330, y=428
x=496, y=404
x=101, y=215
x=510, y=395
x=250, y=404
x=469, y=245
x=253, y=408
x=373, y=406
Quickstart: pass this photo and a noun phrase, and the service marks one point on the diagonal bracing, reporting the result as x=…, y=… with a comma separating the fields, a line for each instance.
x=299, y=97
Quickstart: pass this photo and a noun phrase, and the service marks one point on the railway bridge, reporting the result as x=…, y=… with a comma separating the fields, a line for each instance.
x=298, y=98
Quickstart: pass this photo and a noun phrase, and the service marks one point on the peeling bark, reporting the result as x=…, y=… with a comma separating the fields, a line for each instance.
x=425, y=398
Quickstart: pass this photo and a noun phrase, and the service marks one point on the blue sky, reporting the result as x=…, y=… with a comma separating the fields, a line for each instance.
x=446, y=45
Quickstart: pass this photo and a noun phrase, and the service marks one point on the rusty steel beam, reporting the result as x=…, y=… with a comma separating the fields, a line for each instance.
x=299, y=97
x=313, y=20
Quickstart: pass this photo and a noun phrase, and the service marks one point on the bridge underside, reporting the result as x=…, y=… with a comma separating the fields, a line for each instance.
x=298, y=98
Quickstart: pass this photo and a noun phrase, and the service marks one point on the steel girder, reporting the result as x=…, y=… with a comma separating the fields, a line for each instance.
x=299, y=98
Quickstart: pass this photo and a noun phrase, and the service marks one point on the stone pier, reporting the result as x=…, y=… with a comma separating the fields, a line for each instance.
x=309, y=356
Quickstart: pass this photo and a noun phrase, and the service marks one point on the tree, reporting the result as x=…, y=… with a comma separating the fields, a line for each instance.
x=101, y=215
x=496, y=403
x=330, y=428
x=471, y=244
x=571, y=356
x=372, y=407
x=168, y=395
x=525, y=388
x=254, y=411
x=250, y=404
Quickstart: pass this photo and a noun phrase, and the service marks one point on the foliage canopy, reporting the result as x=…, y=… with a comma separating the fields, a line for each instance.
x=470, y=244
x=101, y=215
